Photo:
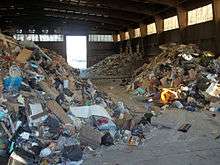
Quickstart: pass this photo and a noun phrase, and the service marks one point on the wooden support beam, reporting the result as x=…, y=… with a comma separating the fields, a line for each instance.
x=122, y=36
x=131, y=33
x=103, y=12
x=115, y=37
x=159, y=24
x=50, y=22
x=216, y=8
x=64, y=15
x=143, y=28
x=123, y=5
x=122, y=23
x=182, y=15
x=171, y=3
x=160, y=28
x=78, y=8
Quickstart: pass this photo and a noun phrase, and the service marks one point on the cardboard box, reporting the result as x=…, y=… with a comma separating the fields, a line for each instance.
x=89, y=136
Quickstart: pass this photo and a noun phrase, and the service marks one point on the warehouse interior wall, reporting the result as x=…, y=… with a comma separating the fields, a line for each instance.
x=98, y=51
x=202, y=34
x=58, y=47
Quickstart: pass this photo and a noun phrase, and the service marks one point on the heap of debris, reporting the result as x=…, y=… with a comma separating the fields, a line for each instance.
x=48, y=114
x=118, y=65
x=182, y=77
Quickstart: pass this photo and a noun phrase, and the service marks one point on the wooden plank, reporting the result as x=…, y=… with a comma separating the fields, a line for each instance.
x=143, y=28
x=23, y=56
x=182, y=17
x=55, y=108
x=131, y=33
x=216, y=11
x=122, y=36
x=159, y=24
x=115, y=38
x=49, y=90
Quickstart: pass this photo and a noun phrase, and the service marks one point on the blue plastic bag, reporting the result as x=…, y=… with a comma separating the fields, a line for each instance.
x=12, y=83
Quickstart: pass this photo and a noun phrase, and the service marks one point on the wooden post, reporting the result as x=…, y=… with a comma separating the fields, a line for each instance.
x=160, y=28
x=115, y=38
x=159, y=24
x=216, y=12
x=143, y=28
x=182, y=15
x=131, y=33
x=122, y=36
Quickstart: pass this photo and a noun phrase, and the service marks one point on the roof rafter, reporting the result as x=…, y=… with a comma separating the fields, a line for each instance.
x=122, y=5
x=71, y=7
x=171, y=3
x=62, y=20
x=63, y=15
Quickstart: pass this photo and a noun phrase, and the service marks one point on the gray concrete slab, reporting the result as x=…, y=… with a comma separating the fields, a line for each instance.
x=164, y=146
x=168, y=146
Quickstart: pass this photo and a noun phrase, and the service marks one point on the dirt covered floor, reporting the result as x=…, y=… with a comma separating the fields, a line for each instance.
x=164, y=145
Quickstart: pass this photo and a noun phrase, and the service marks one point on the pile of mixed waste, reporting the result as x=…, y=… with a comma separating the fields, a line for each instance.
x=182, y=77
x=118, y=65
x=48, y=114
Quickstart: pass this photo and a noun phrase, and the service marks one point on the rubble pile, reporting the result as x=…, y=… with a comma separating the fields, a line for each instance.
x=118, y=65
x=48, y=114
x=181, y=77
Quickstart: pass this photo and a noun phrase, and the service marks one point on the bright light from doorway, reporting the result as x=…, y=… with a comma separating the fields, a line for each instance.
x=76, y=47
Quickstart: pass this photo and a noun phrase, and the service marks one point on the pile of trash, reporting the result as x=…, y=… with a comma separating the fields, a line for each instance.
x=181, y=77
x=48, y=114
x=118, y=65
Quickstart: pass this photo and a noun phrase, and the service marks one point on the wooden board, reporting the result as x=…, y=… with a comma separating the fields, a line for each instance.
x=23, y=56
x=49, y=90
x=55, y=108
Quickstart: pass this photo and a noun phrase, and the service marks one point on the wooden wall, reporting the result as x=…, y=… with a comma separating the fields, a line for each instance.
x=59, y=47
x=201, y=34
x=98, y=51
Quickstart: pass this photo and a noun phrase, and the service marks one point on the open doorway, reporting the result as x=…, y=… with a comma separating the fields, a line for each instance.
x=76, y=50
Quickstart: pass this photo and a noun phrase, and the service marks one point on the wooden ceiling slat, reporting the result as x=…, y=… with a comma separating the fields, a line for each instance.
x=108, y=14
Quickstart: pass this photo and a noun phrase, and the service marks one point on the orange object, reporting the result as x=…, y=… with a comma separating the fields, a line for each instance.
x=168, y=96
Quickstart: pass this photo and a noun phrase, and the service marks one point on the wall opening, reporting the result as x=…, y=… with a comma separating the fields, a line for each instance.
x=76, y=50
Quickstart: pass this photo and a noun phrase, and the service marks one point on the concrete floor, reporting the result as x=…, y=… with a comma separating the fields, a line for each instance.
x=164, y=145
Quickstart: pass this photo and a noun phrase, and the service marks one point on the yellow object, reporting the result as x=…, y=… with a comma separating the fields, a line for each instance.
x=168, y=96
x=208, y=54
x=44, y=162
